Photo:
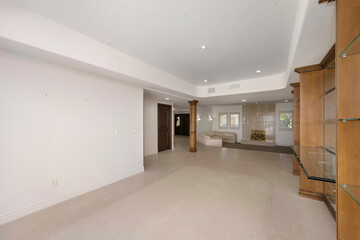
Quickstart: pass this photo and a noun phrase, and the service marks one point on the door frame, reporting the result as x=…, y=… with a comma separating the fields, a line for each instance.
x=170, y=126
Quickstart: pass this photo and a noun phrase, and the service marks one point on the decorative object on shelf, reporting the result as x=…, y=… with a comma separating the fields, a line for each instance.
x=258, y=135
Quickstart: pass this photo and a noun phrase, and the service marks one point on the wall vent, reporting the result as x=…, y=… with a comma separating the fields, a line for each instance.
x=211, y=90
x=234, y=86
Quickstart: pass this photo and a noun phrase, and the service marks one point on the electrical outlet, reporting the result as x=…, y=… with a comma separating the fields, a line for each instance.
x=54, y=182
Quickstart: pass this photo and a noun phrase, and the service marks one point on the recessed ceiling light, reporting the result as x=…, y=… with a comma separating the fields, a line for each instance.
x=286, y=100
x=258, y=71
x=205, y=80
x=203, y=47
x=244, y=100
x=167, y=99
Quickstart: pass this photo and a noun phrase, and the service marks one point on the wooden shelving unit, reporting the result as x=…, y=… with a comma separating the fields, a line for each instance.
x=296, y=91
x=348, y=114
x=330, y=120
x=315, y=130
x=330, y=128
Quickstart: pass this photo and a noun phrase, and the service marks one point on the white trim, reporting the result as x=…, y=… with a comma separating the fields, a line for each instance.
x=53, y=201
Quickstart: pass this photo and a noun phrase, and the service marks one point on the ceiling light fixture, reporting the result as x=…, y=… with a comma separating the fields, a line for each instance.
x=203, y=47
x=244, y=100
x=205, y=80
x=286, y=100
x=167, y=99
x=258, y=71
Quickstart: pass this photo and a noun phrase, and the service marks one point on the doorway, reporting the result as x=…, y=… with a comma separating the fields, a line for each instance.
x=182, y=124
x=164, y=127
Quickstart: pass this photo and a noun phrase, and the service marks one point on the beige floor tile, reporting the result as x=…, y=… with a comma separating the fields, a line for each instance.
x=302, y=228
x=201, y=223
x=29, y=223
x=216, y=193
x=60, y=228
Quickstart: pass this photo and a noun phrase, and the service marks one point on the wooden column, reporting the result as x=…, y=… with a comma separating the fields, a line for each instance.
x=193, y=118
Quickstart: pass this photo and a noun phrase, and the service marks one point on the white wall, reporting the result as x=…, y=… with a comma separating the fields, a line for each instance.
x=56, y=122
x=227, y=109
x=151, y=125
x=204, y=124
x=283, y=138
x=181, y=110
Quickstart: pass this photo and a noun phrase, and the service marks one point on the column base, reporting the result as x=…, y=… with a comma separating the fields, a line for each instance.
x=192, y=150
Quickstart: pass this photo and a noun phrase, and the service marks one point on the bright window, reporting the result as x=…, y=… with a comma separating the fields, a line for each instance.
x=223, y=120
x=286, y=121
x=234, y=120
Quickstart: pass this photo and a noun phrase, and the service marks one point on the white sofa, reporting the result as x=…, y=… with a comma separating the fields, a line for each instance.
x=216, y=138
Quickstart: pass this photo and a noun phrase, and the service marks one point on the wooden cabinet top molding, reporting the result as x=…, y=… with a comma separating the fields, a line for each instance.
x=327, y=60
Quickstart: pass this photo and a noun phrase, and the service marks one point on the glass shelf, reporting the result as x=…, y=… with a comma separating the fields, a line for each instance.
x=352, y=191
x=330, y=150
x=316, y=162
x=349, y=119
x=352, y=48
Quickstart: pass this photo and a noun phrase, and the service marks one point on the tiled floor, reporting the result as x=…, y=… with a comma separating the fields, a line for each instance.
x=212, y=194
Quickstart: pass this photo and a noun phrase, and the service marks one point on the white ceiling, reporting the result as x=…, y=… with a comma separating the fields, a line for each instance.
x=242, y=36
x=179, y=101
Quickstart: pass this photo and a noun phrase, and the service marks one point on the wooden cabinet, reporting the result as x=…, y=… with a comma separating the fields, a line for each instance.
x=330, y=120
x=315, y=131
x=296, y=91
x=348, y=113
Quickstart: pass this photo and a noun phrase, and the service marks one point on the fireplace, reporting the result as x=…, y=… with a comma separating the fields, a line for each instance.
x=258, y=135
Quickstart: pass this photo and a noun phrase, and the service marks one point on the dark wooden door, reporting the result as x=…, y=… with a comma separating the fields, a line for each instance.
x=164, y=127
x=182, y=124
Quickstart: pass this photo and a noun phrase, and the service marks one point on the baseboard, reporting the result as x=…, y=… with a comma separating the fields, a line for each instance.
x=311, y=195
x=330, y=207
x=319, y=197
x=8, y=217
x=259, y=143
